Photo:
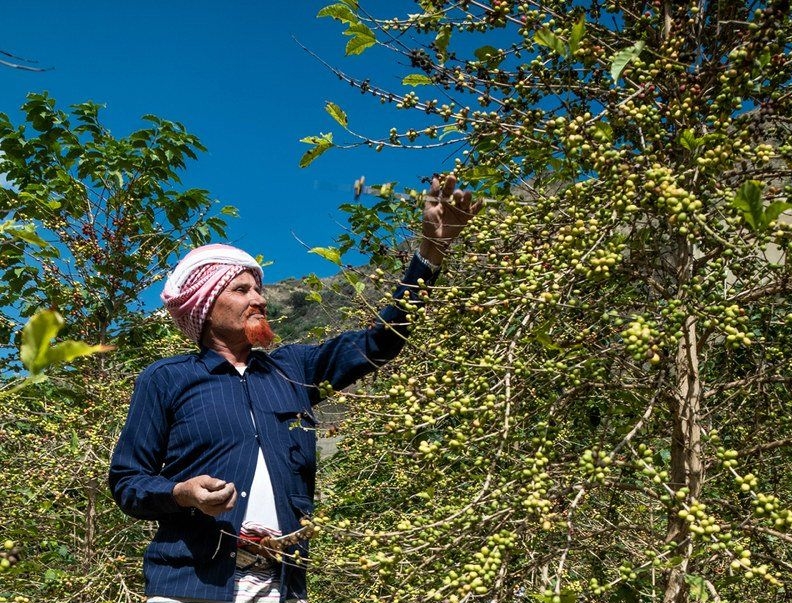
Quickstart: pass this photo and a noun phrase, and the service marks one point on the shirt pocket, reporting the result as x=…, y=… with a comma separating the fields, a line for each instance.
x=299, y=430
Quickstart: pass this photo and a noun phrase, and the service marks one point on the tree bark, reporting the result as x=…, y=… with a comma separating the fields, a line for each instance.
x=687, y=469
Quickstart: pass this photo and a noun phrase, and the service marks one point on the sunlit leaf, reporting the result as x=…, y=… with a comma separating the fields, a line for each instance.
x=545, y=37
x=441, y=42
x=337, y=113
x=37, y=351
x=621, y=58
x=319, y=145
x=362, y=38
x=577, y=33
x=36, y=337
x=66, y=351
x=339, y=11
x=689, y=141
x=329, y=253
x=416, y=79
x=230, y=210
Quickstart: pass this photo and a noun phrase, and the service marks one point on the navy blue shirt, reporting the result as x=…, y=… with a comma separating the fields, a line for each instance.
x=194, y=414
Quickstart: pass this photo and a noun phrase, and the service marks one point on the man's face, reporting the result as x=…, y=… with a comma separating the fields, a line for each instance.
x=239, y=313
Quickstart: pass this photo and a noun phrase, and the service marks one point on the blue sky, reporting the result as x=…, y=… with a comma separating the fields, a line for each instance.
x=233, y=73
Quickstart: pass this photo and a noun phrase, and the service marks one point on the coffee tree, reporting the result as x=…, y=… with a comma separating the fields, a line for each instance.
x=92, y=221
x=594, y=404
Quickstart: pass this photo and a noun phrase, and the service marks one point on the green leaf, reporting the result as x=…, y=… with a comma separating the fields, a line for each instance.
x=320, y=145
x=605, y=129
x=37, y=351
x=36, y=337
x=362, y=38
x=448, y=130
x=28, y=234
x=74, y=446
x=621, y=58
x=314, y=296
x=329, y=253
x=340, y=12
x=748, y=200
x=337, y=113
x=230, y=210
x=776, y=209
x=689, y=141
x=545, y=37
x=698, y=588
x=66, y=351
x=489, y=55
x=416, y=79
x=441, y=42
x=577, y=33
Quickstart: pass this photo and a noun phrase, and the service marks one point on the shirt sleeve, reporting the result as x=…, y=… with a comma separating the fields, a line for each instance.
x=135, y=479
x=346, y=358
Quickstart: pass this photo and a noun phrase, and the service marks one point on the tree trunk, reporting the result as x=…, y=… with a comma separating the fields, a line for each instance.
x=89, y=551
x=686, y=464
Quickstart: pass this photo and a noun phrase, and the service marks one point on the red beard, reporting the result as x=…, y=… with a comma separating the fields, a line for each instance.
x=258, y=332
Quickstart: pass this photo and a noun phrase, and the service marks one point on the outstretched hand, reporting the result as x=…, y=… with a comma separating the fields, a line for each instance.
x=447, y=210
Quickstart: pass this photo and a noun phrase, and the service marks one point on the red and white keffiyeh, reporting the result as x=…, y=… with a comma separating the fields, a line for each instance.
x=197, y=280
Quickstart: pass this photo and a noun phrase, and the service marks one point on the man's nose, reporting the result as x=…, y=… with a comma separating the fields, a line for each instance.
x=258, y=299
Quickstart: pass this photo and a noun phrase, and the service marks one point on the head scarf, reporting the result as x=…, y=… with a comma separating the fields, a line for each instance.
x=195, y=283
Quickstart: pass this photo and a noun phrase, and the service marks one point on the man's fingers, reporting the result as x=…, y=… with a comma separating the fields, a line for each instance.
x=219, y=496
x=449, y=184
x=213, y=484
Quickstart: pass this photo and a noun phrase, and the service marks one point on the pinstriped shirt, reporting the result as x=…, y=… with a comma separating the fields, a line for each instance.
x=195, y=414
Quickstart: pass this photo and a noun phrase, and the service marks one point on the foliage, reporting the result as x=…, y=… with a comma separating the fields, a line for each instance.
x=92, y=221
x=110, y=208
x=594, y=405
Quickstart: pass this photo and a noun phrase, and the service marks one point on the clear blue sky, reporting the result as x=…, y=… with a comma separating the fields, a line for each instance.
x=234, y=75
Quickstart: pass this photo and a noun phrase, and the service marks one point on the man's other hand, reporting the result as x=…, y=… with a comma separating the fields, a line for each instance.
x=207, y=494
x=446, y=212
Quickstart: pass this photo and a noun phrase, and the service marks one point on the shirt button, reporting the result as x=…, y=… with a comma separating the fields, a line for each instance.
x=243, y=494
x=233, y=555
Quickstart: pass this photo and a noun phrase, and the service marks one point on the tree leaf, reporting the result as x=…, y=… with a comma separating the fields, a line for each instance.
x=340, y=12
x=687, y=139
x=577, y=33
x=416, y=79
x=68, y=350
x=230, y=210
x=329, y=253
x=774, y=210
x=319, y=145
x=362, y=38
x=621, y=58
x=605, y=129
x=36, y=337
x=748, y=200
x=698, y=588
x=337, y=113
x=489, y=55
x=545, y=37
x=441, y=42
x=28, y=234
x=37, y=351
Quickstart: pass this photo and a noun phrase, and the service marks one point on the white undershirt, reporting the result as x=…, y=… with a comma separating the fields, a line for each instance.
x=260, y=512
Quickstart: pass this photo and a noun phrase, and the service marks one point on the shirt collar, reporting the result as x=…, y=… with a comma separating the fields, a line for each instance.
x=216, y=363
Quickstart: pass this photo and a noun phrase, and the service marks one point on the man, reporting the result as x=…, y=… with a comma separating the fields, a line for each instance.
x=219, y=446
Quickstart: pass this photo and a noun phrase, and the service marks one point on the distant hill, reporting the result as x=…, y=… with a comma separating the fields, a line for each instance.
x=312, y=309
